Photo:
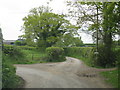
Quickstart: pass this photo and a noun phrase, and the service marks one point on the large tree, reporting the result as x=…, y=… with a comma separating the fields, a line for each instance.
x=103, y=20
x=44, y=26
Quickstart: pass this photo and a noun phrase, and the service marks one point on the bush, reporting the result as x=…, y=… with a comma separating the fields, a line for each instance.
x=13, y=52
x=117, y=54
x=55, y=54
x=9, y=77
x=106, y=57
x=20, y=43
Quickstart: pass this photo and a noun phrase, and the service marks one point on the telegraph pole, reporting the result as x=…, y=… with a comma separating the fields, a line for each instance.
x=96, y=52
x=97, y=30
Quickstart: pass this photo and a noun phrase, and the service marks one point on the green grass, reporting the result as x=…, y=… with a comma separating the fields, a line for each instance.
x=9, y=77
x=34, y=56
x=30, y=57
x=111, y=77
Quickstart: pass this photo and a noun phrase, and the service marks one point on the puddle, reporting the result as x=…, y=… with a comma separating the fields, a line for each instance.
x=87, y=75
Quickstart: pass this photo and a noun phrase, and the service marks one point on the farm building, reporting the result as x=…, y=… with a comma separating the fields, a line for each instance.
x=9, y=42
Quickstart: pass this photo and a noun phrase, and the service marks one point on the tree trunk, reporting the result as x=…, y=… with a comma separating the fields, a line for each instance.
x=107, y=39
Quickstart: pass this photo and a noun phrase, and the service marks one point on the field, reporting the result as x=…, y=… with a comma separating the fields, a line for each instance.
x=34, y=56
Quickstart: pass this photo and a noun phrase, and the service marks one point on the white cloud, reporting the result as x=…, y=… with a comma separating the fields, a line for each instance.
x=86, y=38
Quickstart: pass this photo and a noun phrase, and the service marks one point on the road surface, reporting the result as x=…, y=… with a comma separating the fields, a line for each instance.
x=72, y=73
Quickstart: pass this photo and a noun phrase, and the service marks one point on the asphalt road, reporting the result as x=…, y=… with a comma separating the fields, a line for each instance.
x=72, y=73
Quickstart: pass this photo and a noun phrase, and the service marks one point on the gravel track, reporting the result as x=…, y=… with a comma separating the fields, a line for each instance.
x=72, y=73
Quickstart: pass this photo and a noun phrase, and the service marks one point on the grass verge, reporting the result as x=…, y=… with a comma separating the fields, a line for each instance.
x=111, y=77
x=34, y=56
x=21, y=82
x=31, y=57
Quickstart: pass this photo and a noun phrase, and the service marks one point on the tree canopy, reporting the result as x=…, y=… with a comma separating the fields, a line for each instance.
x=69, y=40
x=45, y=27
x=103, y=20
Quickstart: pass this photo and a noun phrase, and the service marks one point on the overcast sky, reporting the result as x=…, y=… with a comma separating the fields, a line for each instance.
x=12, y=12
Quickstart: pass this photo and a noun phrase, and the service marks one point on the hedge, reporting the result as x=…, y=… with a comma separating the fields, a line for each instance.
x=12, y=51
x=26, y=47
x=84, y=53
x=9, y=77
x=55, y=54
x=87, y=54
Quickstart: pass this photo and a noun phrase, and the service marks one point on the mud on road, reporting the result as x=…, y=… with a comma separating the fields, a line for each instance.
x=72, y=73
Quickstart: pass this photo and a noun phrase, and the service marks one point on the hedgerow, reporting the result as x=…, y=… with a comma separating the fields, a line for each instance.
x=26, y=47
x=9, y=77
x=12, y=51
x=55, y=54
x=87, y=54
x=84, y=53
x=10, y=55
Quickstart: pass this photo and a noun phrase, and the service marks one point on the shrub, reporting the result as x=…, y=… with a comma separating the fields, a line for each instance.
x=106, y=57
x=55, y=54
x=20, y=43
x=117, y=54
x=12, y=51
x=9, y=78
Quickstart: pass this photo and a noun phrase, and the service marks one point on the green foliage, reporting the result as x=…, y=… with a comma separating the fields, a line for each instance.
x=44, y=27
x=33, y=56
x=9, y=77
x=24, y=54
x=83, y=53
x=111, y=77
x=12, y=51
x=89, y=56
x=105, y=58
x=69, y=40
x=55, y=54
x=20, y=43
x=26, y=47
x=89, y=45
x=117, y=55
x=103, y=17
